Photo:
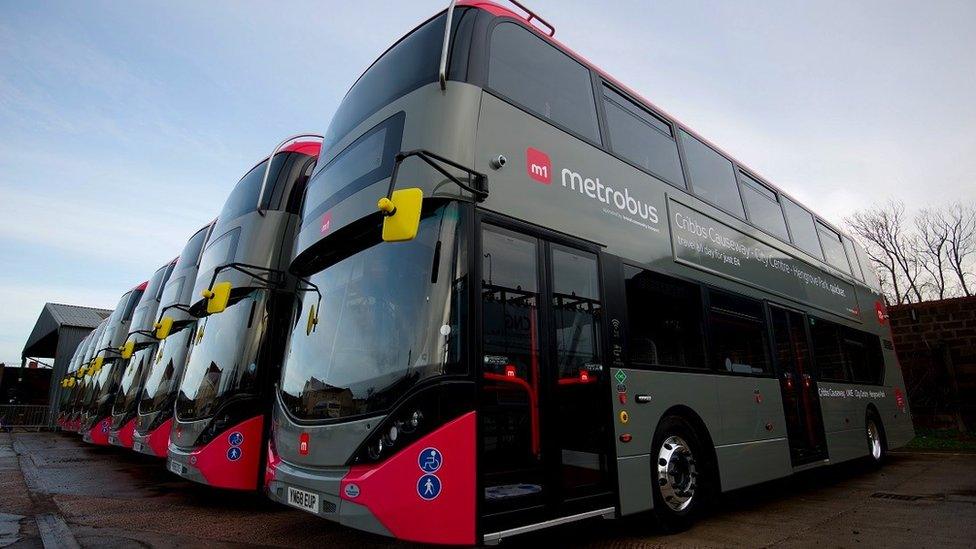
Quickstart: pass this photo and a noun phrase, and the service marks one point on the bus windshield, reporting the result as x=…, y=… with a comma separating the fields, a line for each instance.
x=164, y=373
x=102, y=383
x=129, y=386
x=224, y=362
x=388, y=318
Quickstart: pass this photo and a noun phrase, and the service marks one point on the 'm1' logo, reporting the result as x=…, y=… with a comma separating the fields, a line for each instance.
x=303, y=444
x=538, y=165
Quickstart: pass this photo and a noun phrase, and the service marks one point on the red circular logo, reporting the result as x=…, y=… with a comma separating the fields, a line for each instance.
x=881, y=313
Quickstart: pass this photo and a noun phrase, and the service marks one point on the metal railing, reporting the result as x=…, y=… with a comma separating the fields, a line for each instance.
x=24, y=416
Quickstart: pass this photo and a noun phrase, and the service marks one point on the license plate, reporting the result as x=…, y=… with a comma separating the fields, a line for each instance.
x=303, y=500
x=137, y=446
x=177, y=468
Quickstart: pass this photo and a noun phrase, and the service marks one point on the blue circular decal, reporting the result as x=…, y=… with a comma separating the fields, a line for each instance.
x=429, y=487
x=235, y=438
x=430, y=460
x=234, y=453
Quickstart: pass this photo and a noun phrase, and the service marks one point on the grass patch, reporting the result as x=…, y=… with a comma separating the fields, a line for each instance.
x=942, y=439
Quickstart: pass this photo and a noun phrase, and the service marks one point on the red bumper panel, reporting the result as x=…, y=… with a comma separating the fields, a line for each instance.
x=232, y=459
x=426, y=492
x=98, y=434
x=158, y=438
x=125, y=433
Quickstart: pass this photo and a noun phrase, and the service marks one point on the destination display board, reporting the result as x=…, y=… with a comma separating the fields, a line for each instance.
x=706, y=243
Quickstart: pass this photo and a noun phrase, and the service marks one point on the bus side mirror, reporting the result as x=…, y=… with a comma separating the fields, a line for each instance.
x=97, y=365
x=313, y=319
x=401, y=214
x=217, y=297
x=127, y=349
x=163, y=327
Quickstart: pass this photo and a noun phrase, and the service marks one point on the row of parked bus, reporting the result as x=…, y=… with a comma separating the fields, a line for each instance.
x=627, y=319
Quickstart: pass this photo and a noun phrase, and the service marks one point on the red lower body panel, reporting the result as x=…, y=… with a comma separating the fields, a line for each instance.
x=426, y=492
x=232, y=460
x=126, y=432
x=158, y=438
x=98, y=434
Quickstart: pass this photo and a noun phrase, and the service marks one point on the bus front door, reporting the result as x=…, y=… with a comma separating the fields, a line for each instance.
x=544, y=448
x=801, y=403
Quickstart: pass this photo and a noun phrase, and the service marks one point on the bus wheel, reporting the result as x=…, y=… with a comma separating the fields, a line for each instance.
x=875, y=439
x=678, y=477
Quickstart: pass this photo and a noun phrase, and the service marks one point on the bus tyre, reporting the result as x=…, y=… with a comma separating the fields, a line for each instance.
x=877, y=447
x=678, y=474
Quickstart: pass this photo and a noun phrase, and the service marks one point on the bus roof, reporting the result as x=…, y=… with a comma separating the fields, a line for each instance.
x=501, y=11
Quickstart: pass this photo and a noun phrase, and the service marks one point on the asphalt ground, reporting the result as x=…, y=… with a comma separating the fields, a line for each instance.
x=56, y=491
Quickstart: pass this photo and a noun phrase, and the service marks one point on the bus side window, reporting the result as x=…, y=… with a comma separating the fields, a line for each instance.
x=642, y=138
x=738, y=336
x=863, y=353
x=664, y=316
x=827, y=350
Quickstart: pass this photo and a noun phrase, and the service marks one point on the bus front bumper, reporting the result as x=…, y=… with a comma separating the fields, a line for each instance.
x=155, y=442
x=98, y=433
x=231, y=460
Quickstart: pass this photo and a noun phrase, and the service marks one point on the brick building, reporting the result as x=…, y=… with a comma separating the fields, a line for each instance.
x=936, y=345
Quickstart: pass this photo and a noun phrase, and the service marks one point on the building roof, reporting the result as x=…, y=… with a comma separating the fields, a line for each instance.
x=43, y=338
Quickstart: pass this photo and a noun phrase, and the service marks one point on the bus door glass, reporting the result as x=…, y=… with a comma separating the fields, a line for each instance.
x=543, y=400
x=801, y=403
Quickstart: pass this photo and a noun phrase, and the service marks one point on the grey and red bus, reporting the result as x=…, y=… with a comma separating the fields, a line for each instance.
x=106, y=369
x=243, y=298
x=174, y=328
x=538, y=299
x=83, y=381
x=137, y=353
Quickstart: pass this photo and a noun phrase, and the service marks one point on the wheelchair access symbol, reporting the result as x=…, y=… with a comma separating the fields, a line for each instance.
x=430, y=460
x=235, y=438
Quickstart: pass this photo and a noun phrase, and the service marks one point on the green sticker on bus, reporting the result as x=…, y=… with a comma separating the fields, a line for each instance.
x=620, y=376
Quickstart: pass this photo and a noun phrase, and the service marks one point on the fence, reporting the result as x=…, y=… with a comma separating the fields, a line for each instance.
x=24, y=416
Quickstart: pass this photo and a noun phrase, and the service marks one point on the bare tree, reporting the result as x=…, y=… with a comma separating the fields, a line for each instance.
x=933, y=243
x=961, y=221
x=890, y=247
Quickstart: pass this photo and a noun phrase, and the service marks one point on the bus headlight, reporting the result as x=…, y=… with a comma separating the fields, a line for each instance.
x=376, y=449
x=413, y=421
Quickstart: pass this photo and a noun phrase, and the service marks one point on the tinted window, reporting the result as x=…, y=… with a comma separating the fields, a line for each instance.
x=737, y=329
x=833, y=248
x=191, y=251
x=827, y=350
x=642, y=138
x=365, y=161
x=802, y=228
x=712, y=176
x=870, y=276
x=862, y=351
x=244, y=197
x=411, y=63
x=762, y=207
x=664, y=319
x=576, y=311
x=852, y=258
x=542, y=79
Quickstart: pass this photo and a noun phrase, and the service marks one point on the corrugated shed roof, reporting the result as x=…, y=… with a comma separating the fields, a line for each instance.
x=76, y=315
x=43, y=338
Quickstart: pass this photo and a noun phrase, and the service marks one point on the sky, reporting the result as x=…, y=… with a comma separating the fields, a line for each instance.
x=123, y=125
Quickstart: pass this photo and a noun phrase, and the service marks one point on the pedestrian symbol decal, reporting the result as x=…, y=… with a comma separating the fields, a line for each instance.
x=430, y=460
x=429, y=487
x=234, y=453
x=235, y=438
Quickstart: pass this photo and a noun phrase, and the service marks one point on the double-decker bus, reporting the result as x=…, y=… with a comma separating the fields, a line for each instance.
x=174, y=329
x=243, y=298
x=83, y=381
x=542, y=299
x=106, y=369
x=137, y=353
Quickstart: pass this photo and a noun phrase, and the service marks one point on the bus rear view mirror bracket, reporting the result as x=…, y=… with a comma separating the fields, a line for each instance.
x=401, y=208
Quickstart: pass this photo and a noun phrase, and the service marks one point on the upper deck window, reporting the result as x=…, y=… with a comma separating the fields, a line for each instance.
x=712, y=176
x=762, y=207
x=244, y=197
x=408, y=65
x=538, y=77
x=642, y=138
x=802, y=228
x=833, y=248
x=852, y=258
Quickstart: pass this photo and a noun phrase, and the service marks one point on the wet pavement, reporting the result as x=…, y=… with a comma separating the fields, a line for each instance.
x=56, y=491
